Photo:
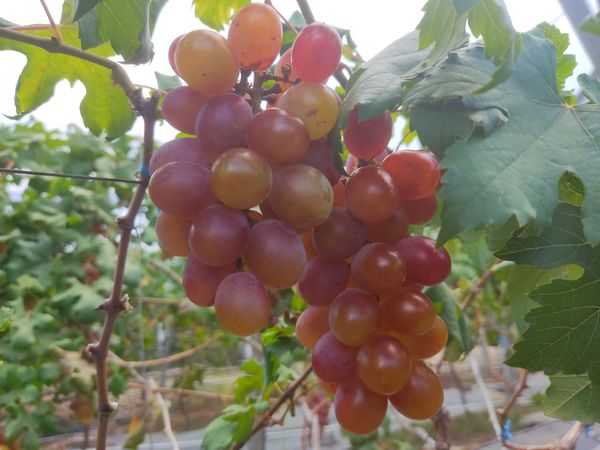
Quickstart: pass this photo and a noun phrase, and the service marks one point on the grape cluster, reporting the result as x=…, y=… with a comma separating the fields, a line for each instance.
x=253, y=199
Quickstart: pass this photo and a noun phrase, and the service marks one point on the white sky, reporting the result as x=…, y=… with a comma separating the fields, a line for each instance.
x=373, y=27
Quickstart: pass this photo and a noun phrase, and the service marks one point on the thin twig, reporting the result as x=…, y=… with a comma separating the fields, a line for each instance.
x=478, y=287
x=55, y=29
x=185, y=392
x=306, y=11
x=119, y=74
x=267, y=417
x=288, y=24
x=37, y=173
x=521, y=386
x=117, y=302
x=165, y=360
x=486, y=397
x=9, y=165
x=164, y=409
x=168, y=271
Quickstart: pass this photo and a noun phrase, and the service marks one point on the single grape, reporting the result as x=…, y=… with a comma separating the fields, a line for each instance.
x=218, y=235
x=301, y=196
x=172, y=232
x=378, y=268
x=318, y=106
x=242, y=304
x=205, y=61
x=180, y=107
x=370, y=194
x=408, y=312
x=322, y=280
x=367, y=138
x=358, y=409
x=183, y=149
x=275, y=254
x=241, y=178
x=340, y=236
x=316, y=52
x=384, y=365
x=172, y=49
x=255, y=36
x=354, y=317
x=285, y=63
x=420, y=211
x=312, y=323
x=422, y=397
x=390, y=230
x=221, y=123
x=278, y=136
x=333, y=361
x=200, y=281
x=428, y=344
x=425, y=264
x=415, y=173
x=181, y=188
x=320, y=155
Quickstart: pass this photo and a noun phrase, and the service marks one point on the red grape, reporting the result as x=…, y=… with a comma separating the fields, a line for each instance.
x=180, y=107
x=312, y=323
x=320, y=156
x=255, y=36
x=280, y=137
x=367, y=138
x=242, y=304
x=205, y=61
x=384, y=365
x=358, y=409
x=390, y=230
x=218, y=235
x=425, y=264
x=378, y=268
x=415, y=173
x=333, y=361
x=370, y=194
x=408, y=312
x=172, y=49
x=221, y=123
x=184, y=149
x=322, y=280
x=420, y=211
x=316, y=52
x=340, y=236
x=200, y=282
x=172, y=232
x=423, y=395
x=181, y=188
x=275, y=254
x=354, y=317
x=428, y=344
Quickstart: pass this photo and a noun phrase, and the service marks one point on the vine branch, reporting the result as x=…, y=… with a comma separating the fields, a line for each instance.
x=521, y=386
x=119, y=74
x=268, y=416
x=55, y=29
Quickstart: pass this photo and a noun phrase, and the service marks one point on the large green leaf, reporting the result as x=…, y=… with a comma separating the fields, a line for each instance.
x=442, y=28
x=379, y=84
x=514, y=171
x=104, y=108
x=217, y=13
x=573, y=397
x=84, y=6
x=563, y=335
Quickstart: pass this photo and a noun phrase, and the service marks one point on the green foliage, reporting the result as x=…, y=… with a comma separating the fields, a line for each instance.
x=104, y=108
x=217, y=13
x=566, y=63
x=562, y=337
x=167, y=82
x=523, y=159
x=573, y=396
x=591, y=24
x=126, y=24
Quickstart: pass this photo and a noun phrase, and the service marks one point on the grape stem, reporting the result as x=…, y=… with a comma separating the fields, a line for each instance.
x=287, y=23
x=520, y=387
x=55, y=29
x=267, y=417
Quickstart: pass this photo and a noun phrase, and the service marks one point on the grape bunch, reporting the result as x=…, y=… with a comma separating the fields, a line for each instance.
x=255, y=202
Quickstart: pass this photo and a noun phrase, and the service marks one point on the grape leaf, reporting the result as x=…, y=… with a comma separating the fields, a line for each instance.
x=591, y=24
x=563, y=335
x=443, y=28
x=6, y=23
x=566, y=63
x=83, y=6
x=572, y=397
x=167, y=82
x=379, y=84
x=104, y=108
x=217, y=13
x=590, y=87
x=515, y=171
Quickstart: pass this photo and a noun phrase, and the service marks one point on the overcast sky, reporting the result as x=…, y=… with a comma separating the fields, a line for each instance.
x=373, y=27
